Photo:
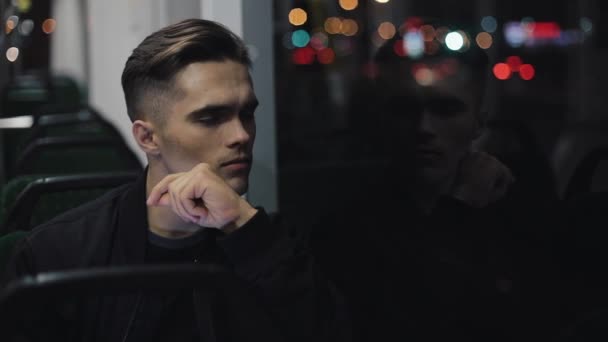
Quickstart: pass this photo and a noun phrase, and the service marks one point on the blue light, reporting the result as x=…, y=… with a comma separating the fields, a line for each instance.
x=300, y=38
x=489, y=24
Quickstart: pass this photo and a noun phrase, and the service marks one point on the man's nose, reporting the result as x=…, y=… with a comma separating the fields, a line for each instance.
x=425, y=122
x=237, y=133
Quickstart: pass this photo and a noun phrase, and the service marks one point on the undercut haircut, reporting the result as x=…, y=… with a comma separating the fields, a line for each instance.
x=149, y=73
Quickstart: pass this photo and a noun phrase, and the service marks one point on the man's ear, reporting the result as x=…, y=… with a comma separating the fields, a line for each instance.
x=146, y=136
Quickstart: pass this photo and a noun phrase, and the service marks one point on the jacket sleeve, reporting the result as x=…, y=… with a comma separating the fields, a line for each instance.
x=285, y=276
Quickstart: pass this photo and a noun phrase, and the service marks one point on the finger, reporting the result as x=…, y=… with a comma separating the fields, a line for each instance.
x=176, y=190
x=159, y=189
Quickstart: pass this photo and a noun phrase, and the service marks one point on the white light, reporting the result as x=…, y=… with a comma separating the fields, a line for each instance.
x=414, y=44
x=26, y=27
x=12, y=54
x=454, y=41
x=382, y=1
x=586, y=24
x=515, y=34
x=25, y=121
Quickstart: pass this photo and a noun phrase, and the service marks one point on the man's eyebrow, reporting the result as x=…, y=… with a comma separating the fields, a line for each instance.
x=218, y=109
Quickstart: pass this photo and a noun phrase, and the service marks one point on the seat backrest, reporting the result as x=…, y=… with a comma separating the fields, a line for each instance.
x=45, y=197
x=226, y=301
x=67, y=155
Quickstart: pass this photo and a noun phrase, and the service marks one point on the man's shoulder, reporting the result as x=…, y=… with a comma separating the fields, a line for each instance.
x=76, y=233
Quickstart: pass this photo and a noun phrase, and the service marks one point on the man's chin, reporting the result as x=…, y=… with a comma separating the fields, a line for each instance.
x=239, y=185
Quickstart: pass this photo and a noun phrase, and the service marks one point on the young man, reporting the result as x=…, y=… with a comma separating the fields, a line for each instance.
x=191, y=100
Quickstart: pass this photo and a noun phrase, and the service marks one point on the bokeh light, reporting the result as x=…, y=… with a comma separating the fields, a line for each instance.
x=302, y=56
x=414, y=44
x=526, y=72
x=431, y=48
x=300, y=38
x=428, y=33
x=297, y=17
x=502, y=71
x=386, y=30
x=12, y=54
x=349, y=5
x=586, y=25
x=489, y=24
x=23, y=5
x=48, y=26
x=287, y=43
x=399, y=48
x=484, y=40
x=424, y=76
x=382, y=1
x=326, y=56
x=349, y=27
x=26, y=27
x=514, y=63
x=333, y=25
x=319, y=41
x=454, y=41
x=440, y=34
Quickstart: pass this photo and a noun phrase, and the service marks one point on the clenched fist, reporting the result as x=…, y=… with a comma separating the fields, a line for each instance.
x=202, y=197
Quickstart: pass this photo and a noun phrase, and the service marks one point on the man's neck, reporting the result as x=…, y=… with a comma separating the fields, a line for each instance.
x=163, y=221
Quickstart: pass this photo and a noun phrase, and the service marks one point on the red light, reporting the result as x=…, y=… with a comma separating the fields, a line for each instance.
x=527, y=72
x=326, y=56
x=546, y=30
x=502, y=71
x=514, y=62
x=305, y=55
x=399, y=48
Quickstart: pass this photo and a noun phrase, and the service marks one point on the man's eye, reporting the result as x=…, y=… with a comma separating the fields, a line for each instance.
x=208, y=120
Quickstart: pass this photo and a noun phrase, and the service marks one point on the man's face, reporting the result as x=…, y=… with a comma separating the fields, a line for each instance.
x=212, y=122
x=435, y=123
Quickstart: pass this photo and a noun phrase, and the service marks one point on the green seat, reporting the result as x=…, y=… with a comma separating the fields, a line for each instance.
x=69, y=155
x=44, y=197
x=34, y=94
x=83, y=123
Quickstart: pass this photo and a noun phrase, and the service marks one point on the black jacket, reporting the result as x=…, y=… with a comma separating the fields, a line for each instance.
x=112, y=231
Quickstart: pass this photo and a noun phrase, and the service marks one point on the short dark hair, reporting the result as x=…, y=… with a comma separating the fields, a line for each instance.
x=149, y=72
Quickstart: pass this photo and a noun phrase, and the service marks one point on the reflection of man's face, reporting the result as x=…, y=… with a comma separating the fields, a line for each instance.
x=213, y=122
x=435, y=122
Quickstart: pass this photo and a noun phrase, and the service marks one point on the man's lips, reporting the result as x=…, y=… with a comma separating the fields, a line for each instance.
x=238, y=163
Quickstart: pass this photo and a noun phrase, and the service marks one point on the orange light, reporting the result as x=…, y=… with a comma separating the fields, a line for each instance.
x=333, y=25
x=48, y=26
x=349, y=27
x=514, y=63
x=428, y=33
x=502, y=71
x=386, y=30
x=349, y=4
x=326, y=56
x=526, y=72
x=297, y=16
x=484, y=40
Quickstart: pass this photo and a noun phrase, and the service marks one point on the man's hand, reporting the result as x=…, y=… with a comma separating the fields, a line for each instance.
x=202, y=197
x=482, y=180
